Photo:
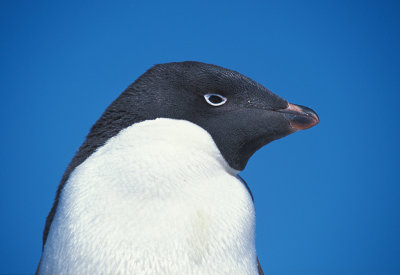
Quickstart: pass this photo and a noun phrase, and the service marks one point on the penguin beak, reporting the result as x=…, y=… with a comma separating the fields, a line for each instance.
x=300, y=117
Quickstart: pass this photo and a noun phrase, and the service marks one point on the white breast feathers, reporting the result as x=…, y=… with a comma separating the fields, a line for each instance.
x=158, y=198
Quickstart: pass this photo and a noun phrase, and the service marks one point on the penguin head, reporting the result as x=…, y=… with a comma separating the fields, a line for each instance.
x=240, y=115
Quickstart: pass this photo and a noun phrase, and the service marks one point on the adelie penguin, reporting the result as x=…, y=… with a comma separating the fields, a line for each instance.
x=154, y=189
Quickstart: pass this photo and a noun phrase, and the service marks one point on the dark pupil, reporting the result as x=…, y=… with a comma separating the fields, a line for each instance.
x=215, y=99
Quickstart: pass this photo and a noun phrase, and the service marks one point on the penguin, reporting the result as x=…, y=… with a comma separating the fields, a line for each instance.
x=154, y=188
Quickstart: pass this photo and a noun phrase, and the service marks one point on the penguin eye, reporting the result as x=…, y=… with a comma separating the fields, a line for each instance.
x=215, y=99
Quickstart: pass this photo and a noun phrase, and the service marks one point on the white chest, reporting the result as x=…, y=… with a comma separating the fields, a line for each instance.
x=158, y=198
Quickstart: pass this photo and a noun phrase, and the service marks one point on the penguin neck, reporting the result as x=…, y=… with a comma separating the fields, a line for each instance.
x=157, y=193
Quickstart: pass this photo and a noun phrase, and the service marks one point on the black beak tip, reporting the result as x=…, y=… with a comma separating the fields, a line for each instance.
x=300, y=117
x=309, y=112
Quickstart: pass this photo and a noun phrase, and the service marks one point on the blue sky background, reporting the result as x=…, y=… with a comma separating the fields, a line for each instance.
x=327, y=199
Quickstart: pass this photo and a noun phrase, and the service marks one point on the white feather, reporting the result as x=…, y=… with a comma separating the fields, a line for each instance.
x=158, y=198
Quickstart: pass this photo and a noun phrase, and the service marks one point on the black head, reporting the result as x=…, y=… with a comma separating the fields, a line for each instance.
x=251, y=117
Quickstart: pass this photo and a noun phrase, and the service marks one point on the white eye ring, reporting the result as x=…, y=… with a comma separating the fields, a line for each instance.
x=215, y=99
